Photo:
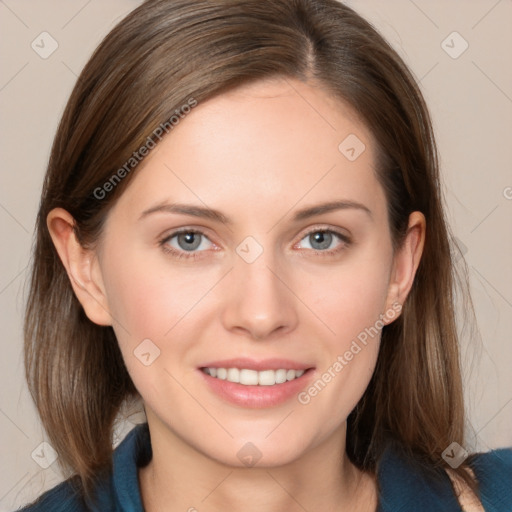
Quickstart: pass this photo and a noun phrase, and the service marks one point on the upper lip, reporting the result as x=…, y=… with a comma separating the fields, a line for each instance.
x=258, y=365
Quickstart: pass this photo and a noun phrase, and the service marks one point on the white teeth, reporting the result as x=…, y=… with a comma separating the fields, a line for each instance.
x=253, y=377
x=281, y=376
x=233, y=375
x=247, y=377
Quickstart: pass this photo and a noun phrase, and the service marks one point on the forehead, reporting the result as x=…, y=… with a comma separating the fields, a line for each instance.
x=285, y=116
x=276, y=140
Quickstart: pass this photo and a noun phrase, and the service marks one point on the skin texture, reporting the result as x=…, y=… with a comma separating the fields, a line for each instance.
x=257, y=154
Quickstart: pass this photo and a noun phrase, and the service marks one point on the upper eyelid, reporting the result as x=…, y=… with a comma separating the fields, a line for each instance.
x=337, y=231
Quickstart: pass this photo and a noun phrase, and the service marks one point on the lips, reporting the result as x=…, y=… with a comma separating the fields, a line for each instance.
x=256, y=395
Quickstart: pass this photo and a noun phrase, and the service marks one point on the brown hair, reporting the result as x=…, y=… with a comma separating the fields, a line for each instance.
x=154, y=61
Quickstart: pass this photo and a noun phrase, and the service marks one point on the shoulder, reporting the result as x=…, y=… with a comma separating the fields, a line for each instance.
x=408, y=483
x=64, y=497
x=493, y=472
x=114, y=491
x=67, y=497
x=494, y=461
x=405, y=483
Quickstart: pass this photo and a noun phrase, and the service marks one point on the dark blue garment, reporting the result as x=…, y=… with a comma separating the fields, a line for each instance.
x=404, y=486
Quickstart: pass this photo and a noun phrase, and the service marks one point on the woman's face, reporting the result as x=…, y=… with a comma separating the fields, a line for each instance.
x=271, y=279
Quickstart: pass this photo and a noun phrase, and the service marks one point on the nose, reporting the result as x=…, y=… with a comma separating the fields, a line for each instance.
x=259, y=301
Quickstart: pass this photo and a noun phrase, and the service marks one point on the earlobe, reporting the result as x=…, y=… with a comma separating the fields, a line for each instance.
x=407, y=260
x=80, y=264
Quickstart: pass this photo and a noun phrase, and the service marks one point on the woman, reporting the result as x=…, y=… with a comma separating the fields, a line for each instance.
x=241, y=227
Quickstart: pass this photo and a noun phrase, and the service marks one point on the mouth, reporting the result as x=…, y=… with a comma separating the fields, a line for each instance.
x=256, y=384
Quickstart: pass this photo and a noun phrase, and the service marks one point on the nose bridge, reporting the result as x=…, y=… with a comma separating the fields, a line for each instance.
x=258, y=301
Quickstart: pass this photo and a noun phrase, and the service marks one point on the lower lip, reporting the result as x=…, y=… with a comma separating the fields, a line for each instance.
x=257, y=397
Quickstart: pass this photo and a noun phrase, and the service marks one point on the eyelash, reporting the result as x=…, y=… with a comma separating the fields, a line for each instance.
x=346, y=241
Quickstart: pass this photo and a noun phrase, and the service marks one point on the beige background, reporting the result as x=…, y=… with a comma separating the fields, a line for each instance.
x=471, y=102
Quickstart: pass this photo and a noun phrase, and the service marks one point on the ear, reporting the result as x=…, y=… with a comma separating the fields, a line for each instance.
x=81, y=266
x=405, y=263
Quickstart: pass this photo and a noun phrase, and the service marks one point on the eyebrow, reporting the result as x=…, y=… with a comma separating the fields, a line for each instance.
x=216, y=215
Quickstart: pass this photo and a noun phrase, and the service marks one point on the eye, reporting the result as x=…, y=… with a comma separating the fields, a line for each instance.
x=185, y=243
x=322, y=241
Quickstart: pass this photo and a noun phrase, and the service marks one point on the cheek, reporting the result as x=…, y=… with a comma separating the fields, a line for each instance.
x=148, y=298
x=351, y=298
x=150, y=301
x=349, y=302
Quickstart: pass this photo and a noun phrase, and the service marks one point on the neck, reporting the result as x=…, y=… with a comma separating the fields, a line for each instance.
x=179, y=478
